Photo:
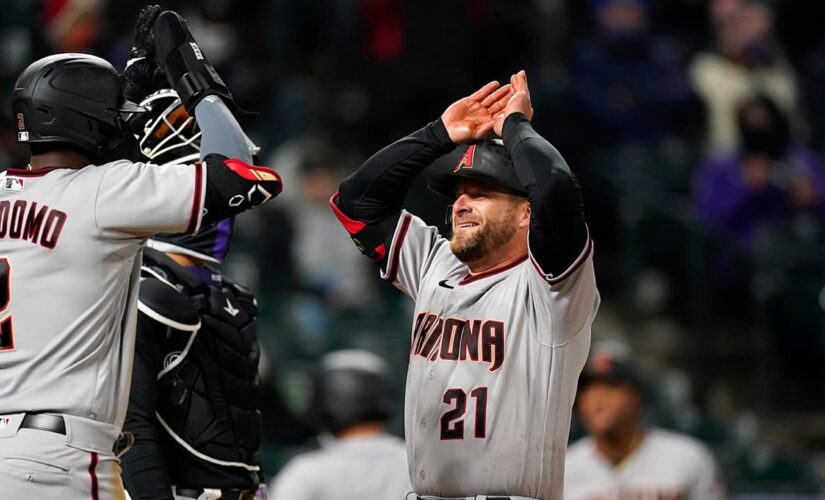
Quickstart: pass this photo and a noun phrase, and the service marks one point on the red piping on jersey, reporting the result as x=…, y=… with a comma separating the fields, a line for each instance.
x=485, y=274
x=588, y=247
x=351, y=225
x=19, y=172
x=196, y=200
x=253, y=173
x=396, y=248
x=93, y=474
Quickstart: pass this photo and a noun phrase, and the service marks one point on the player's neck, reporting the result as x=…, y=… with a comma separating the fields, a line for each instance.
x=364, y=429
x=617, y=447
x=59, y=158
x=512, y=252
x=185, y=260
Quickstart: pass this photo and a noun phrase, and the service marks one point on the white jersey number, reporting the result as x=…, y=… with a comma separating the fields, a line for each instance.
x=6, y=336
x=452, y=422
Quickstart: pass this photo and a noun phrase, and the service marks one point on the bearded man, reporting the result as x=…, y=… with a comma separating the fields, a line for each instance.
x=502, y=310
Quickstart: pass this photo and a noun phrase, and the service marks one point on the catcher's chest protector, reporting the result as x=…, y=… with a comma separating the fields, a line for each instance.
x=208, y=387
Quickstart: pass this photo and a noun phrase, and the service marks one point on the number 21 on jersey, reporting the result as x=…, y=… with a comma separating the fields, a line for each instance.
x=6, y=335
x=452, y=422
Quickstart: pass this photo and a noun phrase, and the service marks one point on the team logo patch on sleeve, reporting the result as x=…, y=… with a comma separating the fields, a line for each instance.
x=13, y=184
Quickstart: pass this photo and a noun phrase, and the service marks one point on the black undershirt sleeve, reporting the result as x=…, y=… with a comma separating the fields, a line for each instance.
x=377, y=189
x=373, y=195
x=144, y=469
x=558, y=233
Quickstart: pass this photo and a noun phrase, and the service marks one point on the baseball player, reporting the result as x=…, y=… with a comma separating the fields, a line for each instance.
x=621, y=458
x=502, y=309
x=193, y=408
x=72, y=226
x=352, y=402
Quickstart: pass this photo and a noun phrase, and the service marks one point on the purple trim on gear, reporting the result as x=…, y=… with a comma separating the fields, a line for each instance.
x=222, y=236
x=207, y=275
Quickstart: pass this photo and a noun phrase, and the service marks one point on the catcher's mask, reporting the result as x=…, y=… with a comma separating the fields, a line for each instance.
x=166, y=133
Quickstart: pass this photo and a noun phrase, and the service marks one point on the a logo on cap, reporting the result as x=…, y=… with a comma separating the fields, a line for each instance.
x=466, y=160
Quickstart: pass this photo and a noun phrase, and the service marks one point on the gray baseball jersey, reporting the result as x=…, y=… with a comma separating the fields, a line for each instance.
x=494, y=363
x=70, y=245
x=373, y=468
x=666, y=466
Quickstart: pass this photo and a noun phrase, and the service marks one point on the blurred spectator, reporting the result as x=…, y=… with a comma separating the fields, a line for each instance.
x=629, y=83
x=72, y=25
x=358, y=460
x=622, y=457
x=326, y=267
x=766, y=182
x=746, y=61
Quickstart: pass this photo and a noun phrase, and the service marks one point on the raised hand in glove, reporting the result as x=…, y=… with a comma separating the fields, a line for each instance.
x=142, y=75
x=186, y=67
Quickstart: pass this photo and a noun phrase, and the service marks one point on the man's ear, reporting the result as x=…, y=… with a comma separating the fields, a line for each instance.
x=524, y=215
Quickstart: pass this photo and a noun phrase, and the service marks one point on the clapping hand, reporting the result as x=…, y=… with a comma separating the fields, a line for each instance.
x=470, y=119
x=518, y=101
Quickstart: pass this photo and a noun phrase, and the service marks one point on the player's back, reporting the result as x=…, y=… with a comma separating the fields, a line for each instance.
x=372, y=467
x=69, y=242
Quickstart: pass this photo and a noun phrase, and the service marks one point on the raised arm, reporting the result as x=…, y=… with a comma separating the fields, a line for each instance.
x=232, y=183
x=369, y=201
x=558, y=234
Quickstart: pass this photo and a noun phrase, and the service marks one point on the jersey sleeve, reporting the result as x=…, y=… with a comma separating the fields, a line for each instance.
x=571, y=297
x=142, y=200
x=411, y=253
x=708, y=484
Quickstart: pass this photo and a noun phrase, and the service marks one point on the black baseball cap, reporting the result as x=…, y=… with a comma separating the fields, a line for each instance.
x=487, y=161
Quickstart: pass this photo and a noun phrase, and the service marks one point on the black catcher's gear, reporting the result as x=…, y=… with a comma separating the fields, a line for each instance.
x=142, y=75
x=166, y=133
x=186, y=67
x=73, y=100
x=488, y=161
x=208, y=386
x=350, y=387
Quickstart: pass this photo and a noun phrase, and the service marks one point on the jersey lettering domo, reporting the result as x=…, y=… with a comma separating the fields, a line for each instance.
x=494, y=363
x=70, y=253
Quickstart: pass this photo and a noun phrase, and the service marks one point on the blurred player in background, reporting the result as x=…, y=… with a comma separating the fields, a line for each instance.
x=352, y=402
x=622, y=457
x=502, y=309
x=73, y=228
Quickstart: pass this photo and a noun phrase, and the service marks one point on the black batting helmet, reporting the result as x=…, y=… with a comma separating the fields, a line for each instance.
x=71, y=99
x=487, y=161
x=351, y=386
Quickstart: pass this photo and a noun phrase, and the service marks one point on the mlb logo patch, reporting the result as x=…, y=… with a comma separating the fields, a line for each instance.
x=22, y=137
x=13, y=184
x=4, y=422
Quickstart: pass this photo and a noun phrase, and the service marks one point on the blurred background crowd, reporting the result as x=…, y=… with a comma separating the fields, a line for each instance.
x=696, y=128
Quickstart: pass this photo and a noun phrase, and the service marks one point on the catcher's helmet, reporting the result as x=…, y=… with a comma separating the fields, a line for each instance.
x=488, y=161
x=166, y=133
x=351, y=386
x=72, y=99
